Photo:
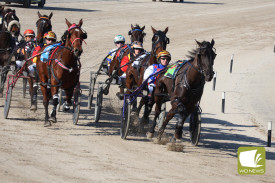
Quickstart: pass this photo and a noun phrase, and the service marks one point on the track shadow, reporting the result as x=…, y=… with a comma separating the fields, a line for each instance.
x=191, y=2
x=35, y=7
x=228, y=137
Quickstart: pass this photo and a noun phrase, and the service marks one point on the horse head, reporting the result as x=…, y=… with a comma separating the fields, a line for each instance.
x=74, y=37
x=159, y=40
x=43, y=25
x=206, y=56
x=11, y=22
x=136, y=33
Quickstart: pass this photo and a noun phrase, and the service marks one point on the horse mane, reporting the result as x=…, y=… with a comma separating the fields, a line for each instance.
x=136, y=26
x=192, y=54
x=64, y=37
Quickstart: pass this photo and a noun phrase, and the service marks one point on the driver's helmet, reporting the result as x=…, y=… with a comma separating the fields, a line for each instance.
x=119, y=38
x=163, y=54
x=29, y=32
x=50, y=35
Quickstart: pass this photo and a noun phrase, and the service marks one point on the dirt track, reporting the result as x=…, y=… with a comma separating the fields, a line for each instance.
x=92, y=152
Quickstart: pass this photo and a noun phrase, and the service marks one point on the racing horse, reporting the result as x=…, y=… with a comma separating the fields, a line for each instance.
x=11, y=22
x=63, y=70
x=135, y=71
x=136, y=34
x=43, y=25
x=185, y=89
x=7, y=42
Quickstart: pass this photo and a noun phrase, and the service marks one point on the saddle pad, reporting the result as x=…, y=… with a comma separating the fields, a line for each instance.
x=46, y=52
x=173, y=69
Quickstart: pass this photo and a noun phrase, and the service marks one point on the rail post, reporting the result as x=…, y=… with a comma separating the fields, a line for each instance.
x=223, y=101
x=231, y=63
x=269, y=134
x=214, y=81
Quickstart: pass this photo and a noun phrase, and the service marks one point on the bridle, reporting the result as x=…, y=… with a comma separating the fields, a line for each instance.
x=201, y=70
x=161, y=38
x=44, y=19
x=130, y=33
x=83, y=36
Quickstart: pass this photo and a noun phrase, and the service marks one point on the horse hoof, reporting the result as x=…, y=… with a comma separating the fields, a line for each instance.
x=52, y=119
x=33, y=108
x=120, y=96
x=178, y=133
x=47, y=124
x=66, y=108
x=149, y=135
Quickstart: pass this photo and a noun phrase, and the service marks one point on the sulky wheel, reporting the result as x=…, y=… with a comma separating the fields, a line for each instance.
x=8, y=102
x=76, y=105
x=98, y=105
x=195, y=127
x=125, y=120
x=161, y=117
x=91, y=89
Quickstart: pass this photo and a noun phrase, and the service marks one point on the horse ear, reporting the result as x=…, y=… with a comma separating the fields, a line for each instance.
x=80, y=22
x=39, y=15
x=68, y=23
x=200, y=45
x=212, y=42
x=166, y=30
x=132, y=27
x=50, y=16
x=143, y=28
x=154, y=30
x=13, y=11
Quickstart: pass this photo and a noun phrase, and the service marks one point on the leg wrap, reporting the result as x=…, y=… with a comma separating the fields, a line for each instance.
x=55, y=100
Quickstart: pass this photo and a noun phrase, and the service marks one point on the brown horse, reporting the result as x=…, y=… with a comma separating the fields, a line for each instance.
x=63, y=70
x=43, y=25
x=11, y=22
x=134, y=74
x=185, y=90
x=136, y=34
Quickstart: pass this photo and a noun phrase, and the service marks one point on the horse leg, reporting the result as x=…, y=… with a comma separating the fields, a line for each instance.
x=4, y=73
x=68, y=101
x=129, y=85
x=54, y=91
x=151, y=132
x=33, y=87
x=168, y=117
x=46, y=105
x=179, y=108
x=179, y=125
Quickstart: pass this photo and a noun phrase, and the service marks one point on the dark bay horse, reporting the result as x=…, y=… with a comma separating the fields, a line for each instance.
x=136, y=34
x=11, y=22
x=134, y=74
x=43, y=25
x=185, y=91
x=7, y=41
x=63, y=71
